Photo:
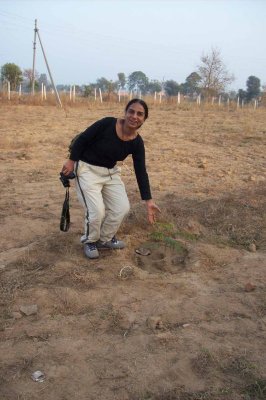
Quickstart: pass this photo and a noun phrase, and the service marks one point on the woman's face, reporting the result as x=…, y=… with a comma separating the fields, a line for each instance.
x=135, y=116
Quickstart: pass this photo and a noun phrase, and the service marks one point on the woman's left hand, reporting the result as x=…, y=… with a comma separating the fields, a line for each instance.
x=152, y=210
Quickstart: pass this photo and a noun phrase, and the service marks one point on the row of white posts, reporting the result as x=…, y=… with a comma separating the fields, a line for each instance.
x=20, y=91
x=72, y=96
x=198, y=100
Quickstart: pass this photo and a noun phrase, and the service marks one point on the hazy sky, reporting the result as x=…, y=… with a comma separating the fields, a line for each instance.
x=90, y=39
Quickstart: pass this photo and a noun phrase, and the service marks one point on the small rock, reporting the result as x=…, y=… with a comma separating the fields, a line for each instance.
x=29, y=309
x=249, y=287
x=202, y=163
x=38, y=376
x=155, y=323
x=252, y=247
x=186, y=325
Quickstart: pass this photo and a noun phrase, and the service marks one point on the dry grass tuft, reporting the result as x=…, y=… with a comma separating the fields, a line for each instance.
x=236, y=220
x=204, y=362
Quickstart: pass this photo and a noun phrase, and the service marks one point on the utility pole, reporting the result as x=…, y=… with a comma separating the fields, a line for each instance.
x=34, y=56
x=36, y=32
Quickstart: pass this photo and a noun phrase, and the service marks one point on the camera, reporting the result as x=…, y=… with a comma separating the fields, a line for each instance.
x=65, y=178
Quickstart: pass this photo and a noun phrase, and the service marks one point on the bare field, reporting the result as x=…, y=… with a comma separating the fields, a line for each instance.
x=186, y=322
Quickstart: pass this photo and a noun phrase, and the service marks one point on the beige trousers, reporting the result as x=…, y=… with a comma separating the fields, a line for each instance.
x=103, y=196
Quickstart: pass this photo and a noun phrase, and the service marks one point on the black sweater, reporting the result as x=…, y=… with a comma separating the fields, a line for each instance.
x=100, y=145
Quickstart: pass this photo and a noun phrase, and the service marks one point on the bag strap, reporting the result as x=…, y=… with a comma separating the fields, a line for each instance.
x=65, y=214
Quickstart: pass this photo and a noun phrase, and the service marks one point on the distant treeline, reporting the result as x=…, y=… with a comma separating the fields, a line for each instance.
x=210, y=80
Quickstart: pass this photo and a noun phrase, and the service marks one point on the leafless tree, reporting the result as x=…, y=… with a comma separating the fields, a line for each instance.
x=27, y=73
x=213, y=73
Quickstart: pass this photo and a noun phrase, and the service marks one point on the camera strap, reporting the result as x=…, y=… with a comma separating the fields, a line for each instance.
x=65, y=214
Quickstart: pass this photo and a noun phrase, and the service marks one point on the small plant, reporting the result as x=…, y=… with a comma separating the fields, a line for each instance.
x=256, y=391
x=174, y=244
x=163, y=229
x=187, y=235
x=166, y=234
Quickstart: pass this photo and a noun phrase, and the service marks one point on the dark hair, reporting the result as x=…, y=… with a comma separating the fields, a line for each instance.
x=141, y=102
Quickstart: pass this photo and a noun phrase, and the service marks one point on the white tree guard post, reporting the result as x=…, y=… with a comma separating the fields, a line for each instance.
x=228, y=102
x=74, y=93
x=255, y=104
x=95, y=94
x=178, y=98
x=100, y=93
x=219, y=101
x=44, y=92
x=119, y=95
x=19, y=91
x=242, y=103
x=198, y=99
x=130, y=96
x=8, y=90
x=139, y=94
x=212, y=100
x=70, y=92
x=237, y=104
x=155, y=96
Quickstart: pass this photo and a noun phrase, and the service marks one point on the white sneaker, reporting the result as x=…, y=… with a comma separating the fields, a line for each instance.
x=90, y=250
x=114, y=243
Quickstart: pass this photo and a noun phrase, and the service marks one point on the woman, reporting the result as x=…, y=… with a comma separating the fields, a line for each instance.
x=99, y=186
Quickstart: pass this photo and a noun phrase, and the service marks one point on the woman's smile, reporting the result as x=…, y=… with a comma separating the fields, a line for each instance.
x=135, y=115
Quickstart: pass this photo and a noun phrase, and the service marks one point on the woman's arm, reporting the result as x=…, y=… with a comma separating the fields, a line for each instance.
x=143, y=182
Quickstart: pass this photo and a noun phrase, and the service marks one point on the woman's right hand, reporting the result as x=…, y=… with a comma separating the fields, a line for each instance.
x=68, y=167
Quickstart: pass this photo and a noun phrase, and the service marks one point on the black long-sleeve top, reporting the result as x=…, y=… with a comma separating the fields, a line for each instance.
x=100, y=145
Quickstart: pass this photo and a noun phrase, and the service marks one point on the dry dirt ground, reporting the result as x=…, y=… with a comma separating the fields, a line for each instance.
x=186, y=322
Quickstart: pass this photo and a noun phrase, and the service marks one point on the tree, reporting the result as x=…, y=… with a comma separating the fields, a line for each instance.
x=253, y=87
x=88, y=90
x=105, y=85
x=121, y=80
x=43, y=79
x=138, y=81
x=242, y=94
x=263, y=95
x=154, y=86
x=27, y=74
x=192, y=84
x=12, y=73
x=213, y=73
x=171, y=88
x=232, y=95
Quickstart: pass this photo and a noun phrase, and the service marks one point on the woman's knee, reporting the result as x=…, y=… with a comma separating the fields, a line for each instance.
x=124, y=209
